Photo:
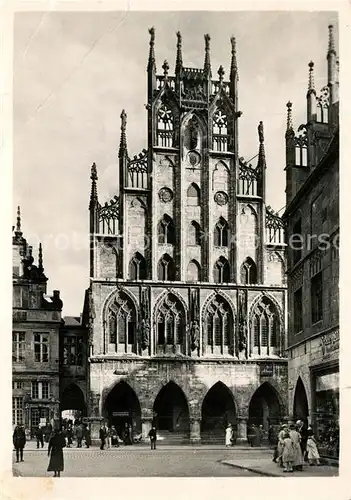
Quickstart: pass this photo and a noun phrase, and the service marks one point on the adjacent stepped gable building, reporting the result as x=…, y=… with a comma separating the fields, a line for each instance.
x=186, y=305
x=312, y=217
x=35, y=339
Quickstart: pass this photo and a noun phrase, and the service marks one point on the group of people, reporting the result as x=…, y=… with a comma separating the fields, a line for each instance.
x=110, y=437
x=255, y=435
x=296, y=445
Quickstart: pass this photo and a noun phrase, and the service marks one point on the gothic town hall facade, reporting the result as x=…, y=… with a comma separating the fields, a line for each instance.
x=186, y=306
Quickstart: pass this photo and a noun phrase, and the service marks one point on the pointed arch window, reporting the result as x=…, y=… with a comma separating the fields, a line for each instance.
x=193, y=195
x=121, y=325
x=166, y=231
x=165, y=124
x=220, y=235
x=137, y=267
x=194, y=233
x=221, y=272
x=219, y=326
x=248, y=272
x=170, y=326
x=166, y=268
x=193, y=271
x=220, y=135
x=265, y=328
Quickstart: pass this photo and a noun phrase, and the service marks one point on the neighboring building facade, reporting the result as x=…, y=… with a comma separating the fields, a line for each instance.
x=312, y=211
x=186, y=305
x=35, y=339
x=73, y=368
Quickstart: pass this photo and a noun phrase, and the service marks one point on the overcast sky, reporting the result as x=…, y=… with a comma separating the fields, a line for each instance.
x=75, y=72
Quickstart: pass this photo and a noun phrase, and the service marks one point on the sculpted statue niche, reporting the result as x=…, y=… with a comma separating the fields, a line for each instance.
x=192, y=134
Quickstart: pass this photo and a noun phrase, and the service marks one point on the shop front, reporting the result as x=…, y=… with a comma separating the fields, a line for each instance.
x=325, y=415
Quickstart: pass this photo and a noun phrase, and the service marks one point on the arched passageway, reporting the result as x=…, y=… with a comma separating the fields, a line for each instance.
x=122, y=407
x=218, y=410
x=264, y=408
x=171, y=412
x=300, y=402
x=72, y=403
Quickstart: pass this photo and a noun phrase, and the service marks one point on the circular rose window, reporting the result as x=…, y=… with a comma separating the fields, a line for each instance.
x=165, y=195
x=221, y=198
x=194, y=158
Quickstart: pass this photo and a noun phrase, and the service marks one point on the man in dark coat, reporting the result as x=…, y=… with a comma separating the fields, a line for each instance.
x=56, y=444
x=102, y=436
x=301, y=428
x=87, y=435
x=39, y=436
x=79, y=435
x=153, y=436
x=19, y=441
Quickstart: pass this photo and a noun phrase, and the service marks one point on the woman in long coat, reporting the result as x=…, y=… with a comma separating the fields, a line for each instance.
x=56, y=444
x=228, y=436
x=296, y=440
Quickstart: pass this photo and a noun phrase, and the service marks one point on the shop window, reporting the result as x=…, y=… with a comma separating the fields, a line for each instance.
x=327, y=413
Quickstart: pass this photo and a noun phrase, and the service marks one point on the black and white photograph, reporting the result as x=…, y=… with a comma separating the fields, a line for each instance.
x=175, y=244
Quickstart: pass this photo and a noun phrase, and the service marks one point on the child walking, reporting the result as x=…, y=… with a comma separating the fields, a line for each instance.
x=288, y=453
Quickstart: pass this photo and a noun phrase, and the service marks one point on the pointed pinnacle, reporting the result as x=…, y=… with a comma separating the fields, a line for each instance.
x=331, y=44
x=93, y=175
x=289, y=126
x=179, y=60
x=207, y=65
x=18, y=225
x=123, y=141
x=152, y=60
x=260, y=132
x=40, y=258
x=234, y=65
x=311, y=78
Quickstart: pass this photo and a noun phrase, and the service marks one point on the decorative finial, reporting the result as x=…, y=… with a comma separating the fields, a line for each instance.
x=331, y=45
x=179, y=60
x=260, y=132
x=93, y=175
x=311, y=78
x=165, y=67
x=93, y=193
x=40, y=259
x=152, y=60
x=18, y=225
x=123, y=141
x=289, y=126
x=207, y=65
x=234, y=65
x=221, y=73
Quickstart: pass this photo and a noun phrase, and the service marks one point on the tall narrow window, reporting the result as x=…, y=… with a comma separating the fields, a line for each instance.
x=193, y=195
x=265, y=328
x=194, y=234
x=121, y=321
x=41, y=347
x=248, y=272
x=297, y=242
x=297, y=310
x=221, y=272
x=18, y=347
x=17, y=411
x=137, y=267
x=170, y=326
x=166, y=268
x=317, y=297
x=221, y=233
x=166, y=231
x=165, y=127
x=218, y=325
x=193, y=272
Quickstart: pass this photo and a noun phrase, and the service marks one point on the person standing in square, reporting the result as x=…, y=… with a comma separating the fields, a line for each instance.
x=153, y=437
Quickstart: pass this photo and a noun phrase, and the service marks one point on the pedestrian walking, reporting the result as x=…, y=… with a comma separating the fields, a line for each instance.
x=280, y=444
x=102, y=436
x=153, y=437
x=288, y=452
x=228, y=436
x=55, y=450
x=312, y=450
x=19, y=441
x=108, y=437
x=48, y=432
x=39, y=435
x=296, y=440
x=69, y=435
x=79, y=435
x=260, y=435
x=87, y=436
x=251, y=435
x=301, y=428
x=114, y=437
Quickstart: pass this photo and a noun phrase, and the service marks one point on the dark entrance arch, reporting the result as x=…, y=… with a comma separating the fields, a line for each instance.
x=171, y=412
x=72, y=401
x=122, y=407
x=300, y=402
x=218, y=410
x=265, y=408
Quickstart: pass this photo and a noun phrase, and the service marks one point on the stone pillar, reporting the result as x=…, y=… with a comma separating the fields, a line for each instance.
x=195, y=430
x=95, y=424
x=242, y=429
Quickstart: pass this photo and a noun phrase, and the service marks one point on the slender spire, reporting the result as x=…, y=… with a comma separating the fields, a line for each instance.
x=311, y=87
x=234, y=64
x=93, y=194
x=221, y=73
x=40, y=259
x=261, y=163
x=207, y=65
x=123, y=141
x=18, y=225
x=179, y=60
x=331, y=45
x=152, y=60
x=289, y=126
